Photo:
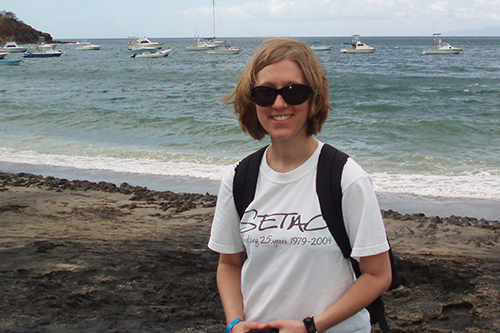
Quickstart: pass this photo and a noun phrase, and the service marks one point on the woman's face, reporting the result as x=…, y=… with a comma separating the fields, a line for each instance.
x=283, y=122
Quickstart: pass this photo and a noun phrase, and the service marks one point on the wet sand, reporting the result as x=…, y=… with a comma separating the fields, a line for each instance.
x=77, y=256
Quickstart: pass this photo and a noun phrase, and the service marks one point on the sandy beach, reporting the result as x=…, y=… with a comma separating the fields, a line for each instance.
x=78, y=256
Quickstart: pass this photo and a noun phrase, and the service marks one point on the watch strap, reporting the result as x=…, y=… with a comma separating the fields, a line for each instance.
x=309, y=323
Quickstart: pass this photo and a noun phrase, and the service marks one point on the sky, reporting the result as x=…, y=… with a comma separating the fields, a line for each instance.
x=74, y=19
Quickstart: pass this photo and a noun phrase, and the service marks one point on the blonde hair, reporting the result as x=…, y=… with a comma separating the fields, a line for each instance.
x=270, y=52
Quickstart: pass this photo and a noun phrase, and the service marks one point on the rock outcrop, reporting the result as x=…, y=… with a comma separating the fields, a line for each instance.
x=11, y=27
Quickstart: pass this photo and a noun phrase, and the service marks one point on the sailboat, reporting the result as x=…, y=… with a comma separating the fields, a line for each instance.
x=204, y=44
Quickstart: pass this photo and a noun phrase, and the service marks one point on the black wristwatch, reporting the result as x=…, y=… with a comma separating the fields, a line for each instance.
x=310, y=327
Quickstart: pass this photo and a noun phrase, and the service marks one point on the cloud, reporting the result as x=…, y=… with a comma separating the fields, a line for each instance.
x=260, y=18
x=375, y=17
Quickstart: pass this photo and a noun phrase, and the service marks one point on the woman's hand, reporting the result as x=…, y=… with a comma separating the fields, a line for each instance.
x=245, y=326
x=288, y=326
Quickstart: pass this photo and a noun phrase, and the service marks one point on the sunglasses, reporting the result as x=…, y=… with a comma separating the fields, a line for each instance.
x=293, y=94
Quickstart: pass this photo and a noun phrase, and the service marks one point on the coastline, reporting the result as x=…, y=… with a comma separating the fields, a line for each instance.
x=176, y=184
x=97, y=257
x=403, y=203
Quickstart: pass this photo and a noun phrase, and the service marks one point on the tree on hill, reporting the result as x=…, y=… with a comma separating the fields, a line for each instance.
x=12, y=27
x=9, y=15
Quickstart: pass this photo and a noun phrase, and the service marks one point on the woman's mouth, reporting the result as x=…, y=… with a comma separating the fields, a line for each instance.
x=282, y=117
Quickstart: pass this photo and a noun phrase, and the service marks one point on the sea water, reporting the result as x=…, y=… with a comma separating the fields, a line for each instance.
x=426, y=127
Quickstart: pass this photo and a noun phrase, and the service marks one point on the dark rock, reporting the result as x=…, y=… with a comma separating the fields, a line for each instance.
x=10, y=27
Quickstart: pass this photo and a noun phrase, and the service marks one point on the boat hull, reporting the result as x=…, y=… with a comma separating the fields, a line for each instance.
x=10, y=62
x=88, y=48
x=430, y=52
x=321, y=48
x=14, y=49
x=235, y=51
x=200, y=48
x=42, y=55
x=147, y=54
x=357, y=50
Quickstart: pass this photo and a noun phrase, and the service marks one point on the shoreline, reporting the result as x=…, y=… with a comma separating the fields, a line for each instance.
x=480, y=209
x=96, y=257
x=176, y=184
x=143, y=193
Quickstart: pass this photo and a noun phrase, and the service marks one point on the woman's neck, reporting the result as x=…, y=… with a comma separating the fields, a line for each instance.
x=287, y=156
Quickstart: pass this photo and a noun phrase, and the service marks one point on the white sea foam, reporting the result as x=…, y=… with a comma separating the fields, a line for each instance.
x=481, y=185
x=142, y=166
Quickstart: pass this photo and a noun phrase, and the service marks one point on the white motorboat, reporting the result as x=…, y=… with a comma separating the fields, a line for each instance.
x=3, y=54
x=317, y=46
x=224, y=49
x=142, y=43
x=11, y=46
x=87, y=46
x=440, y=47
x=43, y=51
x=357, y=46
x=149, y=54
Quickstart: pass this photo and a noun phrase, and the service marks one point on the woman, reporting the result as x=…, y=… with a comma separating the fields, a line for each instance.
x=274, y=275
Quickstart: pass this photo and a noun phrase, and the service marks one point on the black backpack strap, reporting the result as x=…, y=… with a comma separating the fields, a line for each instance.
x=328, y=187
x=245, y=180
x=330, y=165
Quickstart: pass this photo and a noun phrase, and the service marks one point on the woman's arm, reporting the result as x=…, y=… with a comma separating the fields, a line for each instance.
x=374, y=281
x=229, y=284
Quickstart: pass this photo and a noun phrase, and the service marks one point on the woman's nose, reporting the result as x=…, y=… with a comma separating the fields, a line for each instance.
x=279, y=102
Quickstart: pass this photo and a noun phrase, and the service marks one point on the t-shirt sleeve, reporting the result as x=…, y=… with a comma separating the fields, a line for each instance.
x=362, y=217
x=225, y=235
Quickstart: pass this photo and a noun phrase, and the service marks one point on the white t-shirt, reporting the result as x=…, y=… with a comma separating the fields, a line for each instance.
x=294, y=267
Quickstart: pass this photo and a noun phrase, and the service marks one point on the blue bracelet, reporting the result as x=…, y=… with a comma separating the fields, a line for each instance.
x=234, y=322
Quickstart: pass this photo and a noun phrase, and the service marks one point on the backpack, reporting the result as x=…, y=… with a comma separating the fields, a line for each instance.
x=330, y=165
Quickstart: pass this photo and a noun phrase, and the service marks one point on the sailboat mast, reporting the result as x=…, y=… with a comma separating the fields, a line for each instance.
x=213, y=15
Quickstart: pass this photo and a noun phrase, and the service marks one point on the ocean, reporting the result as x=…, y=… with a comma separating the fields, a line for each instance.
x=426, y=127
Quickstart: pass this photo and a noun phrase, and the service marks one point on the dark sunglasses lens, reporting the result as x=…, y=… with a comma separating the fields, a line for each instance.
x=263, y=96
x=296, y=94
x=293, y=94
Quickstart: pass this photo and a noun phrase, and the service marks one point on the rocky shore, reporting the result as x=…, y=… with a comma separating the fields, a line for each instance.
x=79, y=256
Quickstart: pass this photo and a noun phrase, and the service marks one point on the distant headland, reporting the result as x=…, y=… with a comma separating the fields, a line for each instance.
x=12, y=27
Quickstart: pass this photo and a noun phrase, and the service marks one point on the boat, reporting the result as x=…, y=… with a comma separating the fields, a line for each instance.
x=11, y=46
x=43, y=51
x=142, y=43
x=205, y=44
x=356, y=46
x=149, y=54
x=440, y=47
x=225, y=48
x=10, y=62
x=87, y=46
x=317, y=46
x=202, y=44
